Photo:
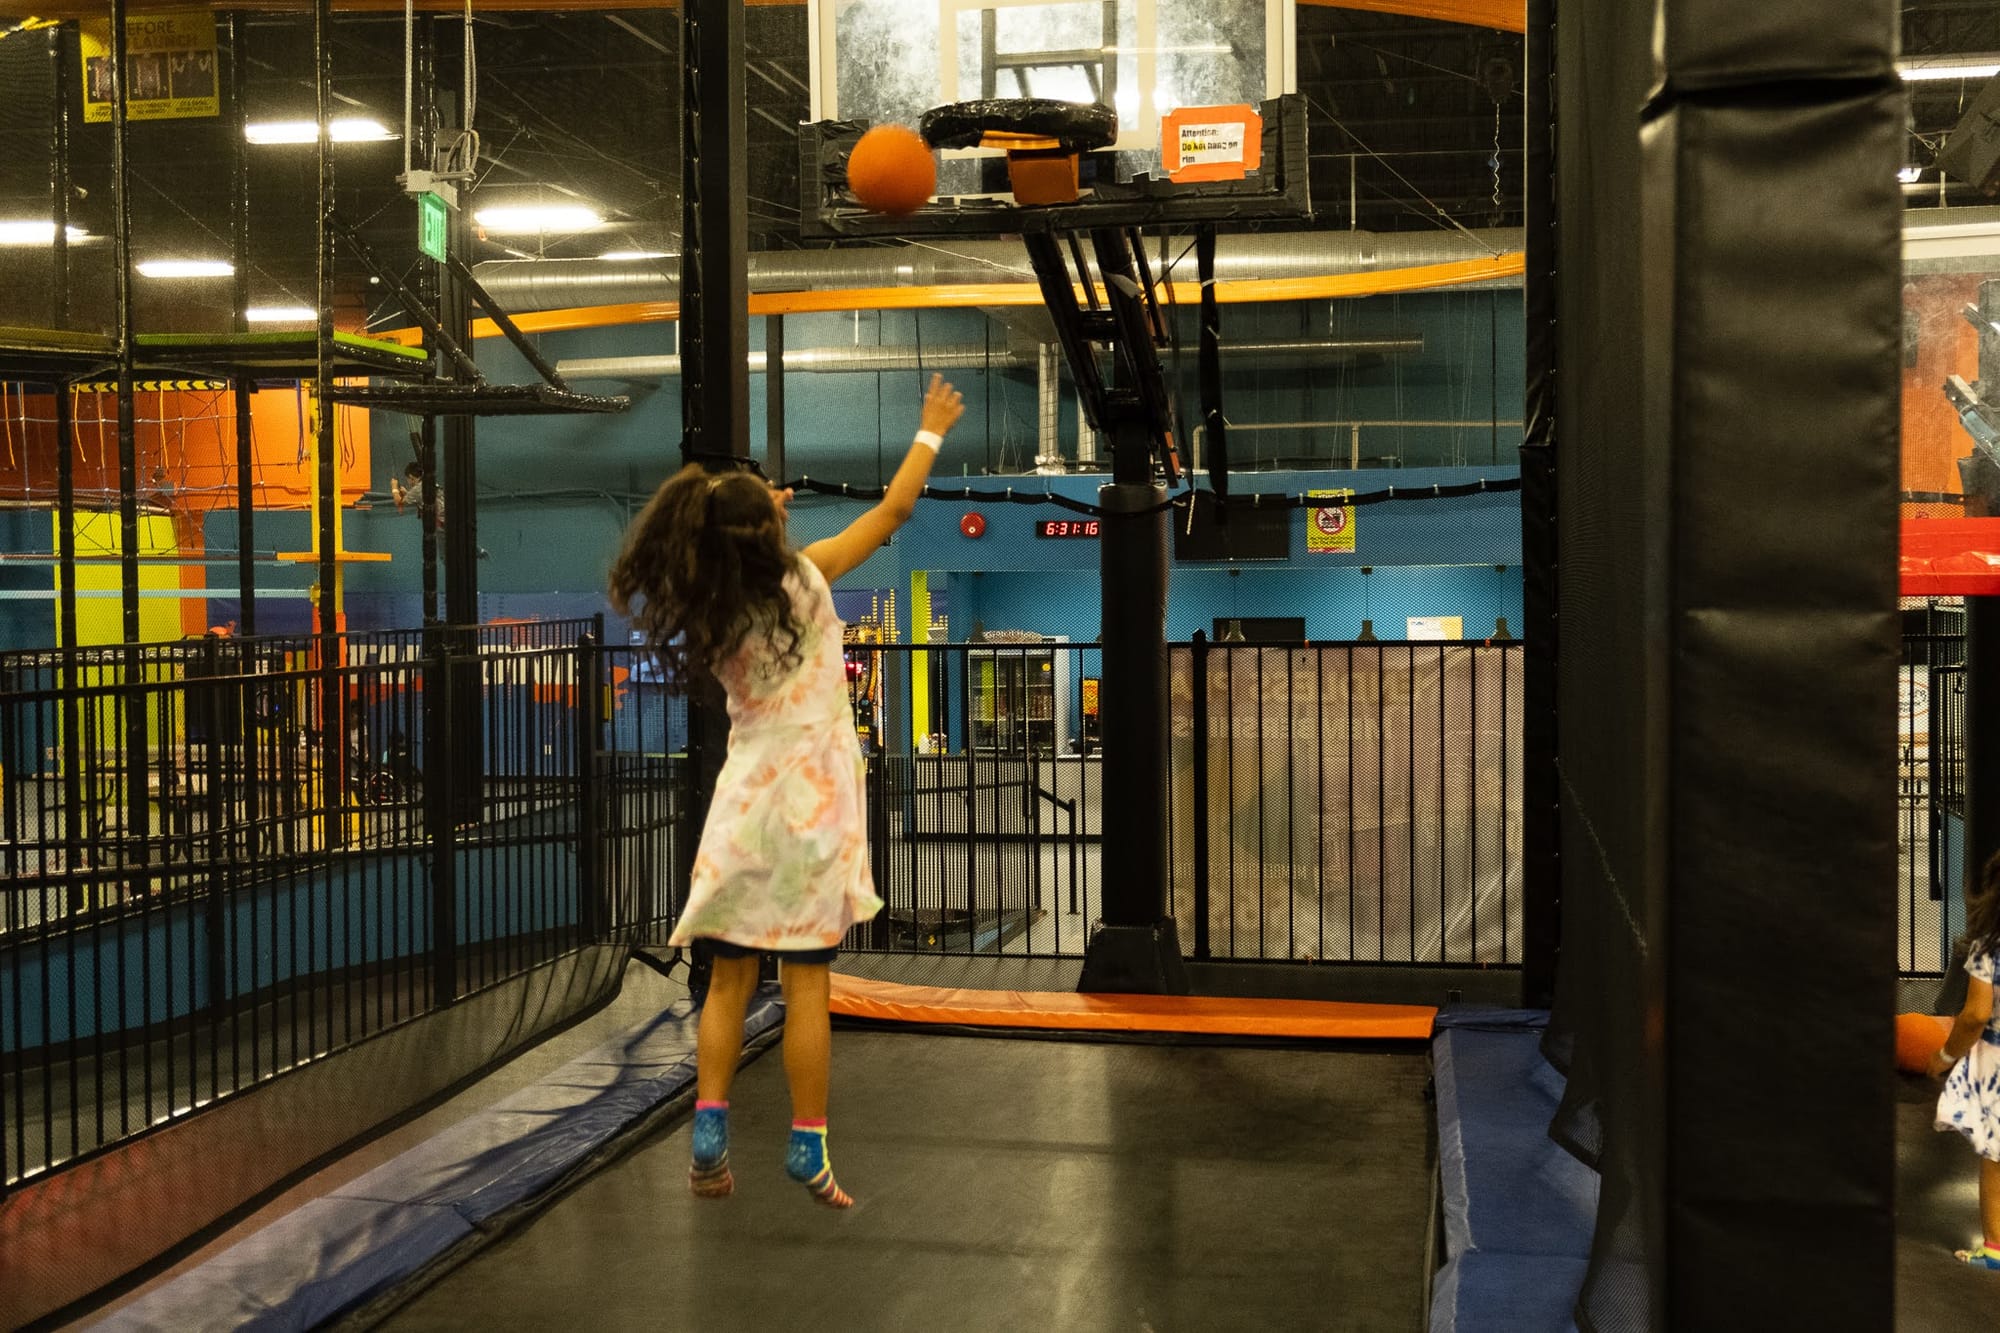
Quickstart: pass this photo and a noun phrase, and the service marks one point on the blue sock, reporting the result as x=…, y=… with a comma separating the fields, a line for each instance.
x=711, y=1135
x=806, y=1162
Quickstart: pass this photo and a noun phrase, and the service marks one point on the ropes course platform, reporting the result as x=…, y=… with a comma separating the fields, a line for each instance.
x=288, y=354
x=41, y=354
x=477, y=400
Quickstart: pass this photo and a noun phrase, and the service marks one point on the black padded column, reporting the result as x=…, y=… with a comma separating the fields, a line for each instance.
x=1137, y=949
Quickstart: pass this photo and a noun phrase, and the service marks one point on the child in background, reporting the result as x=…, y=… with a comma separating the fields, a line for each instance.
x=708, y=576
x=1970, y=1103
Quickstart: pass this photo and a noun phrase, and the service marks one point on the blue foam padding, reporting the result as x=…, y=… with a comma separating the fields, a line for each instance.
x=1491, y=1017
x=360, y=1240
x=1519, y=1212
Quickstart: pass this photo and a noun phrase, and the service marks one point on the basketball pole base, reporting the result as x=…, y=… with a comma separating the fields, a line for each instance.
x=1134, y=960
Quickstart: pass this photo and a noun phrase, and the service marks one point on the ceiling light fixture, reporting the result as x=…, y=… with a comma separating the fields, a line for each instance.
x=187, y=268
x=530, y=219
x=279, y=314
x=616, y=256
x=1910, y=175
x=1922, y=69
x=36, y=233
x=344, y=129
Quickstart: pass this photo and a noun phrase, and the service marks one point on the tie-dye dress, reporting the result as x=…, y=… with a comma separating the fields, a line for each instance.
x=783, y=862
x=1970, y=1102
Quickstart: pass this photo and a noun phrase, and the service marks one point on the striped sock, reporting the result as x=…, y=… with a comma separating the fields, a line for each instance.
x=806, y=1161
x=708, y=1175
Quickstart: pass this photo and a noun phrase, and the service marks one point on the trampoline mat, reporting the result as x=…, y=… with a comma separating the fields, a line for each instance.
x=1005, y=1185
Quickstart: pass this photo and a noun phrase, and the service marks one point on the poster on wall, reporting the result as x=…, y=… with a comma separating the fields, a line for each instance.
x=1330, y=528
x=1433, y=627
x=169, y=66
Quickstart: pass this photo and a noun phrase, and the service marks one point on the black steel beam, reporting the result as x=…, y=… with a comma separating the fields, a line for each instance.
x=121, y=277
x=774, y=397
x=1541, y=815
x=333, y=725
x=715, y=314
x=239, y=233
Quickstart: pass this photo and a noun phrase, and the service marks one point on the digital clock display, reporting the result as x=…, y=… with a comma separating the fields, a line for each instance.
x=1067, y=527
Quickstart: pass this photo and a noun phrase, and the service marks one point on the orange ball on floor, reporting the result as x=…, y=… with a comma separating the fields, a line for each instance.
x=891, y=170
x=1918, y=1038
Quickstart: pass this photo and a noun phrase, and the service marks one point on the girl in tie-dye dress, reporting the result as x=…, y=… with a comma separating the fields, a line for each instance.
x=1970, y=1059
x=782, y=868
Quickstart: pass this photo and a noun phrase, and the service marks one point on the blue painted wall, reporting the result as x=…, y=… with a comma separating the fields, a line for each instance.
x=558, y=492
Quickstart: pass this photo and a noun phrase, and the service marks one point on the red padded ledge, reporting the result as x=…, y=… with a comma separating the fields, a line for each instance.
x=1951, y=557
x=891, y=1002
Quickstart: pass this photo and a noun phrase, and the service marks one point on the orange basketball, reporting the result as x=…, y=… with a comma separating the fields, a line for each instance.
x=891, y=170
x=1918, y=1038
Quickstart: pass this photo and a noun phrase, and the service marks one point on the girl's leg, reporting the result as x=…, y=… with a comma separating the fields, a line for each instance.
x=719, y=1044
x=1989, y=1201
x=808, y=1052
x=1988, y=1253
x=718, y=1047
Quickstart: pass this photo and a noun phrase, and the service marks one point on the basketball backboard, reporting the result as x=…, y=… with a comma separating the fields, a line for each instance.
x=889, y=61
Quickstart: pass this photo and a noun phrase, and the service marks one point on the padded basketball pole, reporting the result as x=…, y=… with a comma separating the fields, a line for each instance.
x=1137, y=948
x=715, y=331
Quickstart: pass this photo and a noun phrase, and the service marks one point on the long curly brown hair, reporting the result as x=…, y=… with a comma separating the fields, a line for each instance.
x=1982, y=909
x=703, y=567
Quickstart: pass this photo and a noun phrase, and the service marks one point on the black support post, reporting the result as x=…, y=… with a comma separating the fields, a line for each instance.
x=121, y=277
x=1137, y=949
x=774, y=398
x=461, y=536
x=239, y=233
x=333, y=724
x=715, y=336
x=1541, y=821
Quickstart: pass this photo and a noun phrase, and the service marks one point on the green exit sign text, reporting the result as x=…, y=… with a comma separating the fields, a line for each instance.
x=433, y=218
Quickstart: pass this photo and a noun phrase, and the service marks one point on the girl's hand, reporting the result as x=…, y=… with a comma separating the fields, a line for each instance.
x=943, y=406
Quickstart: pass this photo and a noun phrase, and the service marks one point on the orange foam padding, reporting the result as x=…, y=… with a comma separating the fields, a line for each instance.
x=1918, y=1038
x=1042, y=178
x=892, y=1002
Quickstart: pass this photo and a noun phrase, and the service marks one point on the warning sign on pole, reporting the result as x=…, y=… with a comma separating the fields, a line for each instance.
x=169, y=66
x=1330, y=528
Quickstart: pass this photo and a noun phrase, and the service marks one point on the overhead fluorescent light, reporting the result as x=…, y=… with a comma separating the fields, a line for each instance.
x=530, y=219
x=1910, y=175
x=280, y=314
x=1919, y=69
x=187, y=268
x=617, y=255
x=36, y=233
x=344, y=129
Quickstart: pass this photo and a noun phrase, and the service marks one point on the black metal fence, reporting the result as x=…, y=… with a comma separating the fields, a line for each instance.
x=1930, y=784
x=217, y=867
x=1360, y=802
x=214, y=869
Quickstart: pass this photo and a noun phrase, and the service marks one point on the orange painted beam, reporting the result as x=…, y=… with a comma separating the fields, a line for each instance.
x=1322, y=1020
x=1331, y=286
x=1505, y=15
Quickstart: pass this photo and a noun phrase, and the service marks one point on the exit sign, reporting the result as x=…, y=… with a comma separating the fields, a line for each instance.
x=433, y=219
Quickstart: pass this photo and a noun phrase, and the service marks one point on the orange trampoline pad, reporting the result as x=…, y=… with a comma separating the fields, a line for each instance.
x=891, y=1002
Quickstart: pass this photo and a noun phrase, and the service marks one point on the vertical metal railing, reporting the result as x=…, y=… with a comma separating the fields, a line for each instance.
x=1929, y=784
x=268, y=910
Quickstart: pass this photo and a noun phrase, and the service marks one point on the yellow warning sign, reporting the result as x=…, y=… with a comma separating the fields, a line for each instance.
x=169, y=66
x=1329, y=528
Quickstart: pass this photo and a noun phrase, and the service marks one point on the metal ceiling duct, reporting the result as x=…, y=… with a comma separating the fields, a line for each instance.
x=972, y=356
x=559, y=284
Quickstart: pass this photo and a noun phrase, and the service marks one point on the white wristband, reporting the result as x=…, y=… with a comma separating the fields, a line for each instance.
x=930, y=439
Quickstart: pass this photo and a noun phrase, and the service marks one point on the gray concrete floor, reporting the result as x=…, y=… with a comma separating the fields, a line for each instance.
x=1937, y=1211
x=1005, y=1185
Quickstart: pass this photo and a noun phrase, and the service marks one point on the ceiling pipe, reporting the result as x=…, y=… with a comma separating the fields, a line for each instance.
x=522, y=286
x=973, y=356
